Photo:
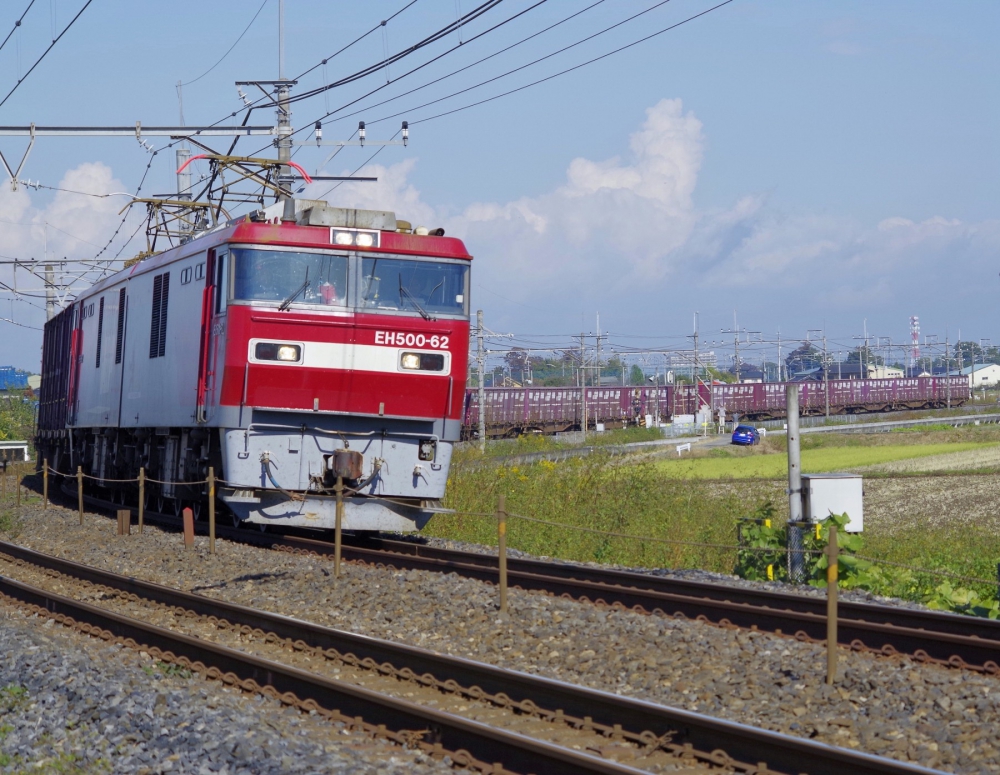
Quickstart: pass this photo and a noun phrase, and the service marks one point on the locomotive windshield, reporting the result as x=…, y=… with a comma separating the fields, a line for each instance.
x=285, y=276
x=427, y=287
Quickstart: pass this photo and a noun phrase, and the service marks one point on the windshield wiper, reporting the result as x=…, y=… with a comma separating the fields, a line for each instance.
x=288, y=302
x=413, y=301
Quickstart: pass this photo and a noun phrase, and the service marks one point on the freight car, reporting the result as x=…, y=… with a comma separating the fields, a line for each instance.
x=512, y=411
x=285, y=354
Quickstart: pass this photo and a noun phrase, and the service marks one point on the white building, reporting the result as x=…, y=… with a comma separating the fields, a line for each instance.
x=981, y=375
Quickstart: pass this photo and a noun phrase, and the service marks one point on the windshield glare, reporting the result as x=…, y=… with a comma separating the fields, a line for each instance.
x=273, y=275
x=425, y=287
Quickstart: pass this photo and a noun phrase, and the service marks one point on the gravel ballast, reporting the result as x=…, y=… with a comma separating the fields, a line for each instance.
x=933, y=716
x=74, y=704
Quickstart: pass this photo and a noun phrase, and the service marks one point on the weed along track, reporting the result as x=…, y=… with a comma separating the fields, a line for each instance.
x=643, y=736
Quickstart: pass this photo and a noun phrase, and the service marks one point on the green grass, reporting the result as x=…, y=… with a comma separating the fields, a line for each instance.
x=686, y=505
x=775, y=466
x=17, y=418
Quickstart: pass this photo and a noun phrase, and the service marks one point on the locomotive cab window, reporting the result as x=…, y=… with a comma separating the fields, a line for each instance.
x=427, y=288
x=289, y=277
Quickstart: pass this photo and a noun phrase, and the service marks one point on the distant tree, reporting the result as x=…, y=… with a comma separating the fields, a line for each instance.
x=635, y=376
x=803, y=358
x=967, y=353
x=862, y=354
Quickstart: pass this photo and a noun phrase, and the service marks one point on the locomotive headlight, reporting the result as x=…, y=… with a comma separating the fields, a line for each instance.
x=364, y=240
x=275, y=351
x=422, y=361
x=343, y=238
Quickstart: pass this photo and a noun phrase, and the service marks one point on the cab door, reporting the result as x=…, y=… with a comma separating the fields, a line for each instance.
x=213, y=331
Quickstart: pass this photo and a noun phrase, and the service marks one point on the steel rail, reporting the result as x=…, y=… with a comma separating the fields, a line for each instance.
x=959, y=641
x=745, y=748
x=931, y=636
x=467, y=742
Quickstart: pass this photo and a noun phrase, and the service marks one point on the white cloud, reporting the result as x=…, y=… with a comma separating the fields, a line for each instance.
x=624, y=236
x=69, y=225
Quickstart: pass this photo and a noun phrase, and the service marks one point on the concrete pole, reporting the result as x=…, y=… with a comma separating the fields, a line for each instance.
x=826, y=377
x=795, y=557
x=481, y=363
x=50, y=293
x=284, y=123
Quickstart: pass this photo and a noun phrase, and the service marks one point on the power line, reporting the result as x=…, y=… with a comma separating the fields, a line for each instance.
x=427, y=41
x=389, y=82
x=44, y=53
x=562, y=72
x=230, y=48
x=356, y=40
x=466, y=67
x=16, y=25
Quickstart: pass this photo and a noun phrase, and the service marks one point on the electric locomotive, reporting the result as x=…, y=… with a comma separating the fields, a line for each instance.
x=288, y=355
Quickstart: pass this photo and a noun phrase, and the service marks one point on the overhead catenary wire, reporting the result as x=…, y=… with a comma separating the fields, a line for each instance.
x=47, y=50
x=470, y=65
x=230, y=49
x=17, y=25
x=567, y=70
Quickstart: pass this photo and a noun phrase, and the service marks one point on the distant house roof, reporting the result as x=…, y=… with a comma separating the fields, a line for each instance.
x=970, y=369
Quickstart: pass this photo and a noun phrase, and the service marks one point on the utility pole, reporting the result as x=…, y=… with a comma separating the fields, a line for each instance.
x=826, y=375
x=779, y=359
x=736, y=347
x=583, y=389
x=481, y=363
x=50, y=293
x=284, y=122
x=597, y=366
x=947, y=371
x=184, y=174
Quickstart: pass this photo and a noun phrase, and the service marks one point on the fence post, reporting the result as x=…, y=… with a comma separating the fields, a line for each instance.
x=124, y=522
x=3, y=484
x=502, y=547
x=831, y=606
x=79, y=491
x=339, y=489
x=188, y=518
x=45, y=484
x=211, y=510
x=142, y=495
x=17, y=485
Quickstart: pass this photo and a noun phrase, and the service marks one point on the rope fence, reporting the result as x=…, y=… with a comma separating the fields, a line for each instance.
x=142, y=480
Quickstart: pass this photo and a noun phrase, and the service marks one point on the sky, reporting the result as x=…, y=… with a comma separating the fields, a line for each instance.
x=798, y=165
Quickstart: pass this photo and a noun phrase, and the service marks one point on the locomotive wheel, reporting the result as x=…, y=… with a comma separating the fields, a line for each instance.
x=178, y=507
x=161, y=504
x=195, y=509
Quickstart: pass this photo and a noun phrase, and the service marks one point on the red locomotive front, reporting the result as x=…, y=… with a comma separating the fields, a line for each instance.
x=288, y=355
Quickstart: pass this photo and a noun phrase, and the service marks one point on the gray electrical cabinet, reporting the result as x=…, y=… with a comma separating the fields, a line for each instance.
x=825, y=494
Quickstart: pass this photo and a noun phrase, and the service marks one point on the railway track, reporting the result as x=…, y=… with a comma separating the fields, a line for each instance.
x=691, y=741
x=927, y=636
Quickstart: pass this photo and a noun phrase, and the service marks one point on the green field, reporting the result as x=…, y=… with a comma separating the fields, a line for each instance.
x=775, y=466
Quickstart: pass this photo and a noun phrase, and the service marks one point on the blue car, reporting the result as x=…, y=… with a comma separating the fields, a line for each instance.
x=746, y=435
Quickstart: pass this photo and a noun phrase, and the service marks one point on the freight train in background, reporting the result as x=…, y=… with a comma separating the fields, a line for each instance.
x=513, y=411
x=283, y=353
